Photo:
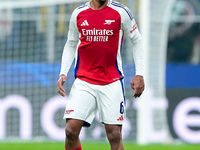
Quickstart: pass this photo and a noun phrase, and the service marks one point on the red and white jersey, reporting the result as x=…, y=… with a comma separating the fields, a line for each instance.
x=100, y=34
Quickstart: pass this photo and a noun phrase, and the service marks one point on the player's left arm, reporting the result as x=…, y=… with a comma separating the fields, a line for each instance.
x=131, y=29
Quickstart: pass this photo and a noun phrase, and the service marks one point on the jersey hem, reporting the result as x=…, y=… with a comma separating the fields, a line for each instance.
x=97, y=82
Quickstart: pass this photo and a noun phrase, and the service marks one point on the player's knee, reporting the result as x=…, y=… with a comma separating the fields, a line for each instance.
x=114, y=137
x=71, y=134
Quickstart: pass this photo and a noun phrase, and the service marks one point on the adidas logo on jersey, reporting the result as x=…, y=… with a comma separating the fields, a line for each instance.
x=85, y=23
x=121, y=118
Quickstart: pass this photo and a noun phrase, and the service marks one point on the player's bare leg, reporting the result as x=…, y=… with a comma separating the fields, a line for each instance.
x=114, y=136
x=72, y=131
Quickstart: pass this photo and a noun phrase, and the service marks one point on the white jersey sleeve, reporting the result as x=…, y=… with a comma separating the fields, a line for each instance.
x=70, y=46
x=131, y=30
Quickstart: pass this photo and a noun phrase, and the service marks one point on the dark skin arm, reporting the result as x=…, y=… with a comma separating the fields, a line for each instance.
x=137, y=84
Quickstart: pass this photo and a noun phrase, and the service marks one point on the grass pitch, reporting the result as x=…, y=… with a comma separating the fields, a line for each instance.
x=92, y=146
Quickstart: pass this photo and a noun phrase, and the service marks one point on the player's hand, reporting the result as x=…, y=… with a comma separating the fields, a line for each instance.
x=60, y=84
x=137, y=84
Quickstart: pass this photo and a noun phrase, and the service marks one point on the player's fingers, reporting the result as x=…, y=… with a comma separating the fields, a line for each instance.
x=137, y=95
x=138, y=92
x=61, y=90
x=142, y=88
x=61, y=93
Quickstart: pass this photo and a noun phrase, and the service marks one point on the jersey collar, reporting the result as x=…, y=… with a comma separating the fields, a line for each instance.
x=109, y=3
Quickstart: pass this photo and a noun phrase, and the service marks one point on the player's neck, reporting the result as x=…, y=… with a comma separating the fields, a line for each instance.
x=98, y=4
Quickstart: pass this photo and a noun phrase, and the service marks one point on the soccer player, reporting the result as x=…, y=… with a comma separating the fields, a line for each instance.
x=95, y=39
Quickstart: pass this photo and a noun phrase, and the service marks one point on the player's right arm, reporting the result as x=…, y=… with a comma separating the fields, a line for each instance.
x=68, y=53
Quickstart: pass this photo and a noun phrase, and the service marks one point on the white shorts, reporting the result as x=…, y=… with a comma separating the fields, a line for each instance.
x=86, y=99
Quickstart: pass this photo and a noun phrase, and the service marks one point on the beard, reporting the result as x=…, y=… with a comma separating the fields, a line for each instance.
x=101, y=2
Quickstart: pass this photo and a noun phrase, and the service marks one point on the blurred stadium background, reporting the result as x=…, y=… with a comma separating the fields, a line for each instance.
x=32, y=37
